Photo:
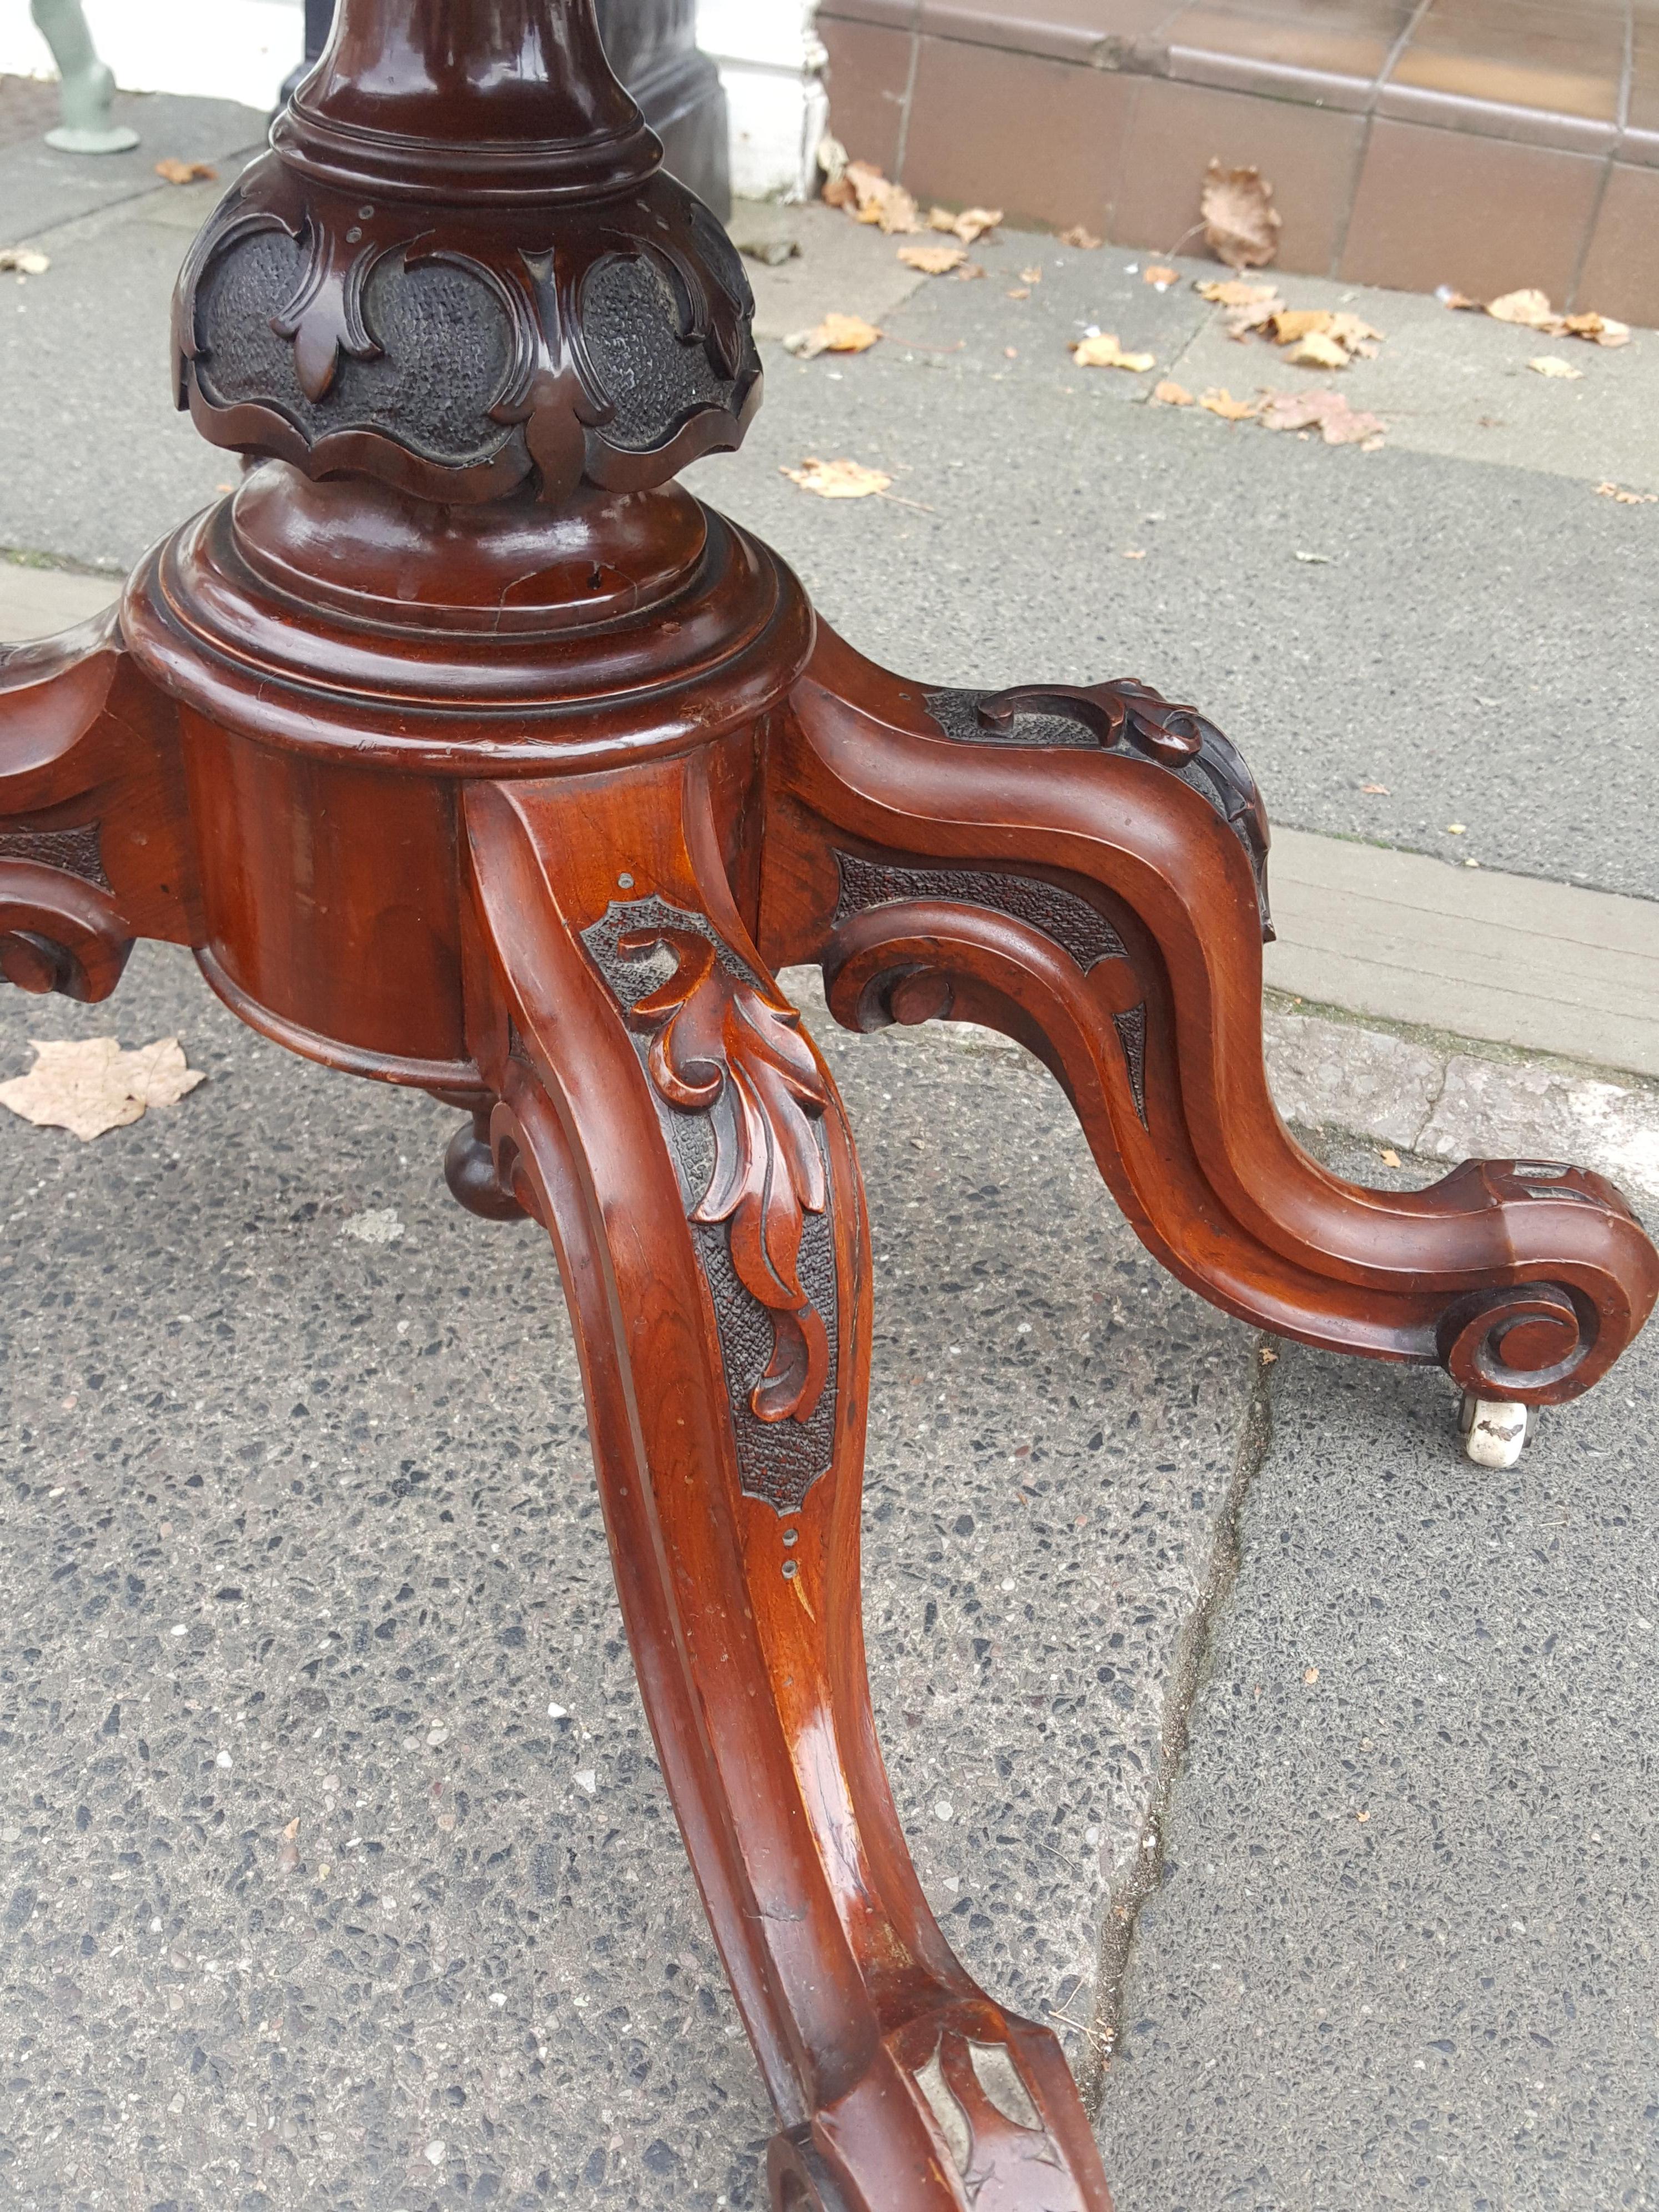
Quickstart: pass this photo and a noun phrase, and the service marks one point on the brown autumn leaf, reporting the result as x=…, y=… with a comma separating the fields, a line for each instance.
x=91, y=1085
x=1234, y=292
x=1600, y=330
x=1324, y=410
x=1171, y=394
x=970, y=225
x=1103, y=351
x=837, y=479
x=1551, y=364
x=1529, y=307
x=1020, y=292
x=1032, y=275
x=933, y=260
x=1241, y=223
x=1084, y=239
x=1627, y=498
x=1219, y=401
x=1159, y=273
x=185, y=173
x=1449, y=297
x=834, y=334
x=874, y=198
x=1316, y=350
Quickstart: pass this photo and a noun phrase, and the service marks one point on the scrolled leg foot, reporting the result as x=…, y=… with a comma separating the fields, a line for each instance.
x=1085, y=870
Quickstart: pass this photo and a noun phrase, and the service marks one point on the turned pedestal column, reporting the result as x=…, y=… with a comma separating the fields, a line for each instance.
x=468, y=751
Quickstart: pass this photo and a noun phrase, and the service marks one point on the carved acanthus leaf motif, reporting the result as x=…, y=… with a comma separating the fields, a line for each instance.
x=718, y=1047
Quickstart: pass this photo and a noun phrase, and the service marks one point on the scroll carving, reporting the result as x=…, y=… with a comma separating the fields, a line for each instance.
x=1124, y=715
x=60, y=932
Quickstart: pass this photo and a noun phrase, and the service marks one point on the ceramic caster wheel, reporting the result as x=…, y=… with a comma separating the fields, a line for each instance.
x=1494, y=1430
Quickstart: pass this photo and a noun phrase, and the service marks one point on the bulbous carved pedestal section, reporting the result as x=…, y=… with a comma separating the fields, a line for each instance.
x=454, y=356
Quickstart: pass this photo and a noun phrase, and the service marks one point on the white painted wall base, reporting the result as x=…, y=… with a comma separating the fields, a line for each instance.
x=213, y=49
x=771, y=63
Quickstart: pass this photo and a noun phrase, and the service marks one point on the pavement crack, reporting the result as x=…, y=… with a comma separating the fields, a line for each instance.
x=1190, y=1664
x=1427, y=1121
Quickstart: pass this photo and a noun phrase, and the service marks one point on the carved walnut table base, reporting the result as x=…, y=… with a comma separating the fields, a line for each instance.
x=470, y=752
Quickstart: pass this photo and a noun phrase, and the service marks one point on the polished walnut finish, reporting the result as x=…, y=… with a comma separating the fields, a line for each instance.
x=470, y=752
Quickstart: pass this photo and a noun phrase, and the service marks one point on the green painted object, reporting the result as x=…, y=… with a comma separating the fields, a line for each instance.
x=87, y=85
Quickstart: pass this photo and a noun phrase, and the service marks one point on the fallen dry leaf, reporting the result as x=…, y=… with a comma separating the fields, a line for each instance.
x=288, y=1851
x=1031, y=275
x=1449, y=298
x=1627, y=498
x=1323, y=411
x=1291, y=324
x=1020, y=292
x=1241, y=223
x=1234, y=292
x=1600, y=330
x=1155, y=272
x=1377, y=790
x=970, y=225
x=869, y=196
x=837, y=479
x=1169, y=394
x=1531, y=309
x=834, y=334
x=1134, y=553
x=1219, y=401
x=185, y=173
x=1310, y=1674
x=1528, y=308
x=933, y=260
x=1105, y=352
x=90, y=1085
x=1316, y=350
x=1389, y=1157
x=1551, y=364
x=1084, y=239
x=24, y=259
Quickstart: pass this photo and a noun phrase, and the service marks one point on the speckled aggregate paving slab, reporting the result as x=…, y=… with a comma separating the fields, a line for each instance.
x=1404, y=1950
x=302, y=1527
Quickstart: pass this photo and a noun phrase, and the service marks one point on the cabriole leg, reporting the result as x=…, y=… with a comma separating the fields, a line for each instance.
x=663, y=1113
x=1085, y=870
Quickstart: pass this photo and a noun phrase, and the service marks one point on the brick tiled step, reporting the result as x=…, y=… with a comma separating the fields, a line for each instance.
x=1481, y=143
